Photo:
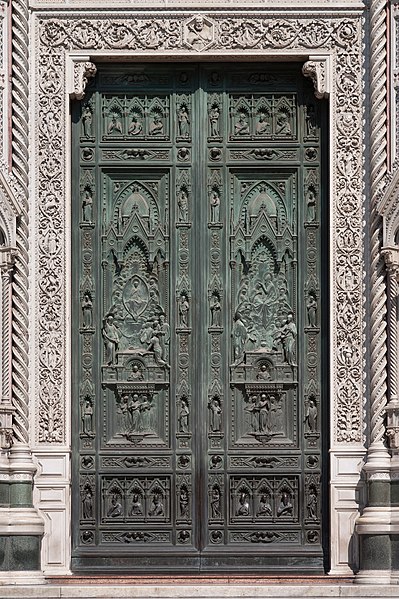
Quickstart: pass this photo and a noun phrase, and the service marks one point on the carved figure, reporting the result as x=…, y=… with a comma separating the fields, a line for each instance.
x=264, y=413
x=146, y=332
x=311, y=505
x=184, y=503
x=87, y=310
x=216, y=415
x=115, y=126
x=214, y=116
x=145, y=410
x=137, y=507
x=311, y=307
x=310, y=120
x=87, y=417
x=155, y=346
x=111, y=339
x=264, y=509
x=311, y=415
x=199, y=33
x=264, y=373
x=157, y=508
x=115, y=509
x=136, y=126
x=87, y=121
x=240, y=335
x=184, y=122
x=241, y=127
x=215, y=503
x=164, y=335
x=136, y=374
x=87, y=503
x=216, y=308
x=87, y=207
x=285, y=507
x=252, y=408
x=263, y=125
x=156, y=126
x=182, y=204
x=134, y=409
x=214, y=201
x=138, y=298
x=184, y=308
x=283, y=124
x=243, y=505
x=288, y=336
x=311, y=206
x=183, y=417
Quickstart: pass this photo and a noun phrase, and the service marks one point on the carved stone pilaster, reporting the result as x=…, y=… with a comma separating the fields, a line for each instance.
x=317, y=69
x=82, y=70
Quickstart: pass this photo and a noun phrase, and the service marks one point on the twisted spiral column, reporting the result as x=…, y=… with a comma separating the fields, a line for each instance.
x=393, y=335
x=20, y=169
x=378, y=169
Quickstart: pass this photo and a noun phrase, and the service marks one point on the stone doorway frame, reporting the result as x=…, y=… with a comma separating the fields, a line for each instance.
x=68, y=46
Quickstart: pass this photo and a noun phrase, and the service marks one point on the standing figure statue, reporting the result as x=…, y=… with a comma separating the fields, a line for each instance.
x=311, y=307
x=184, y=308
x=288, y=336
x=87, y=121
x=214, y=201
x=182, y=204
x=216, y=415
x=216, y=308
x=184, y=122
x=183, y=416
x=214, y=121
x=311, y=415
x=87, y=310
x=111, y=339
x=239, y=335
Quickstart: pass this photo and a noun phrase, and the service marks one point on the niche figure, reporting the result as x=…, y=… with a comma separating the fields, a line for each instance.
x=87, y=417
x=241, y=127
x=87, y=503
x=134, y=409
x=264, y=509
x=310, y=206
x=184, y=503
x=216, y=308
x=136, y=126
x=214, y=201
x=87, y=121
x=184, y=122
x=311, y=505
x=115, y=509
x=216, y=415
x=183, y=417
x=285, y=507
x=157, y=508
x=215, y=503
x=182, y=203
x=136, y=374
x=87, y=206
x=156, y=126
x=239, y=335
x=115, y=125
x=87, y=310
x=311, y=415
x=214, y=121
x=288, y=336
x=111, y=339
x=137, y=507
x=184, y=308
x=264, y=373
x=243, y=505
x=311, y=306
x=156, y=348
x=262, y=126
x=283, y=124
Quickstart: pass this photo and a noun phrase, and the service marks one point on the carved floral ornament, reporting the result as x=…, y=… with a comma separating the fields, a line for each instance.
x=233, y=34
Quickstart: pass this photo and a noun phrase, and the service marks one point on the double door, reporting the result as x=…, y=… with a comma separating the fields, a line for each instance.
x=197, y=354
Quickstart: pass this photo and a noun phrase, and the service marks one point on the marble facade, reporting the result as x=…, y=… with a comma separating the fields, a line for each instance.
x=344, y=48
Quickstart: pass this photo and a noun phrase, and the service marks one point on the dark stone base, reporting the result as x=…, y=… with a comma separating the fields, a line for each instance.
x=18, y=553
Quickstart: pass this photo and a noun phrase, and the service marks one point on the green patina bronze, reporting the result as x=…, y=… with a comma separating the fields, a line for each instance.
x=198, y=235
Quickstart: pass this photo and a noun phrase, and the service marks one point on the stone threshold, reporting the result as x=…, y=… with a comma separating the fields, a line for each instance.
x=201, y=579
x=207, y=590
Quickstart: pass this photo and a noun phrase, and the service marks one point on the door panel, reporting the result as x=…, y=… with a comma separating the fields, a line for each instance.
x=197, y=320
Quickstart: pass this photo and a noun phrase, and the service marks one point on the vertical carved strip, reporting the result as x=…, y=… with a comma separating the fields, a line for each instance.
x=393, y=334
x=20, y=168
x=378, y=151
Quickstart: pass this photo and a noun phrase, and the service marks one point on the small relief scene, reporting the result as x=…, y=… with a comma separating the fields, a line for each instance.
x=139, y=118
x=263, y=329
x=256, y=117
x=136, y=499
x=271, y=499
x=135, y=329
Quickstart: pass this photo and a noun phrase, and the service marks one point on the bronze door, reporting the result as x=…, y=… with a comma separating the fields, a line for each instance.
x=197, y=348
